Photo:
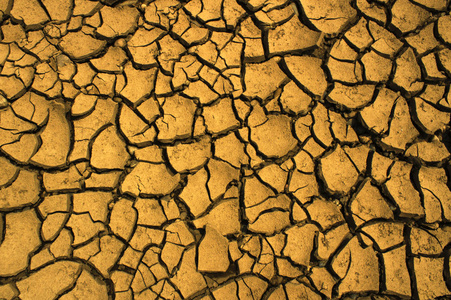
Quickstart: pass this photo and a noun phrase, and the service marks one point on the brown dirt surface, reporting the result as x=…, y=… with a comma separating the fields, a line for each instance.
x=225, y=149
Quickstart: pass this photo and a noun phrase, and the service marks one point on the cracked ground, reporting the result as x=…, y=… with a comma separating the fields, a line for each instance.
x=225, y=149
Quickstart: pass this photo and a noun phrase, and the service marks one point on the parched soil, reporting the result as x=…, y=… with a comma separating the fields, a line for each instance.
x=225, y=149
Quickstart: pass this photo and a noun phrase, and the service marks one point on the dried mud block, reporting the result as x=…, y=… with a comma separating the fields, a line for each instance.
x=385, y=234
x=31, y=13
x=141, y=180
x=443, y=23
x=220, y=117
x=428, y=242
x=108, y=150
x=329, y=242
x=374, y=10
x=273, y=137
x=112, y=61
x=329, y=17
x=429, y=117
x=368, y=204
x=136, y=128
x=308, y=72
x=188, y=157
x=437, y=200
x=224, y=217
x=187, y=279
x=401, y=131
x=408, y=72
x=359, y=268
x=352, y=97
x=262, y=79
x=397, y=276
x=43, y=284
x=402, y=191
x=434, y=151
x=338, y=171
x=376, y=116
x=345, y=71
x=408, y=16
x=294, y=100
x=195, y=193
x=52, y=225
x=143, y=48
x=424, y=41
x=429, y=275
x=292, y=36
x=213, y=252
x=359, y=36
x=342, y=50
x=9, y=291
x=303, y=186
x=59, y=10
x=78, y=45
x=139, y=84
x=22, y=189
x=377, y=67
x=326, y=214
x=445, y=60
x=68, y=180
x=117, y=21
x=230, y=149
x=433, y=5
x=20, y=240
x=10, y=172
x=88, y=286
x=299, y=245
x=54, y=153
x=323, y=280
x=177, y=120
x=83, y=104
x=321, y=126
x=84, y=228
x=150, y=212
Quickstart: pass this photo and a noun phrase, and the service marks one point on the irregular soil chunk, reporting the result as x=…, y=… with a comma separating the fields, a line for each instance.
x=408, y=72
x=338, y=171
x=262, y=79
x=307, y=70
x=78, y=45
x=352, y=97
x=274, y=138
x=141, y=180
x=177, y=120
x=42, y=284
x=188, y=157
x=402, y=191
x=117, y=21
x=430, y=279
x=213, y=252
x=54, y=153
x=331, y=16
x=363, y=271
x=20, y=240
x=108, y=150
x=23, y=191
x=187, y=278
x=30, y=12
x=300, y=242
x=292, y=36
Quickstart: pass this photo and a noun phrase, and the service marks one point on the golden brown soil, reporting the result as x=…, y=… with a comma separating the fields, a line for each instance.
x=225, y=149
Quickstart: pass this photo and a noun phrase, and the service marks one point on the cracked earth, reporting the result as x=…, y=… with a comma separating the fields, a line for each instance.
x=233, y=149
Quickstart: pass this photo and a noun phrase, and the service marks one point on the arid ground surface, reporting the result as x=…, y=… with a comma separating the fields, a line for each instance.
x=225, y=149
